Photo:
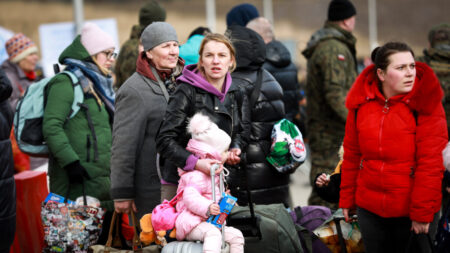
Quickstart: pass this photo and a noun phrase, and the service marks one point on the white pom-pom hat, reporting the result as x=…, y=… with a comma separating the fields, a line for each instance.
x=207, y=137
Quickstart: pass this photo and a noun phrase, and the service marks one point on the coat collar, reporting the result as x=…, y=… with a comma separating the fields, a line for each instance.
x=423, y=98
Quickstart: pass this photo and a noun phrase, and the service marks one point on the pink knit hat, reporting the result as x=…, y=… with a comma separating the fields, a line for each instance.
x=19, y=47
x=207, y=137
x=95, y=39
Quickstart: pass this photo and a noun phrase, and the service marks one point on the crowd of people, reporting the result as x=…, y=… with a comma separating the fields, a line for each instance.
x=133, y=141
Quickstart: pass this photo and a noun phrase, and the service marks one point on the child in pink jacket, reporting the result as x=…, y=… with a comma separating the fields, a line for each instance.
x=196, y=205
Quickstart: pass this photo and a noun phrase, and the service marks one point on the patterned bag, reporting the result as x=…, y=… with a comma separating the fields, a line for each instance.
x=288, y=150
x=69, y=227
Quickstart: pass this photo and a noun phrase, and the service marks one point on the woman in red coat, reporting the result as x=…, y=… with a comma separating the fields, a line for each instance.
x=395, y=134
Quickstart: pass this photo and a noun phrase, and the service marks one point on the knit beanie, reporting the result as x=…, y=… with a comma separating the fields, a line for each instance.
x=207, y=137
x=340, y=9
x=151, y=12
x=157, y=33
x=439, y=34
x=242, y=14
x=95, y=39
x=19, y=47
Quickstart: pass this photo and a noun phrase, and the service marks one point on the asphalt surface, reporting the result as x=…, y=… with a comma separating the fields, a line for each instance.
x=300, y=187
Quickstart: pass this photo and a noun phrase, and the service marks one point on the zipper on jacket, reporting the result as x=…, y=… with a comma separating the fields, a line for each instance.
x=385, y=111
x=380, y=150
x=216, y=109
x=88, y=148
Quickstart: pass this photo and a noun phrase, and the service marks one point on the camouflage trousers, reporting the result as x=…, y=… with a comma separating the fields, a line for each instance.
x=323, y=161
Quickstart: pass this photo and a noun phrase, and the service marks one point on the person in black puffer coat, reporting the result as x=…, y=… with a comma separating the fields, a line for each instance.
x=266, y=184
x=279, y=64
x=7, y=185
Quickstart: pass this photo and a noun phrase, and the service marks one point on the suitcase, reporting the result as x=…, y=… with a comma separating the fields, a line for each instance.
x=266, y=228
x=197, y=247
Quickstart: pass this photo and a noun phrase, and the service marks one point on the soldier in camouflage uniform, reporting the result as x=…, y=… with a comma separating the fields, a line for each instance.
x=126, y=61
x=437, y=56
x=331, y=59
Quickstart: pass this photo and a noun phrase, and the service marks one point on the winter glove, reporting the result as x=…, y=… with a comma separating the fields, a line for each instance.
x=76, y=172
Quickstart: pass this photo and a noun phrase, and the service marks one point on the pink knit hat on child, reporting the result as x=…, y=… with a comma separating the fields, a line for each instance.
x=94, y=39
x=19, y=47
x=207, y=138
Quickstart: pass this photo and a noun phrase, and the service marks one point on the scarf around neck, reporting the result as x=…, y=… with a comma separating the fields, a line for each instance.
x=86, y=70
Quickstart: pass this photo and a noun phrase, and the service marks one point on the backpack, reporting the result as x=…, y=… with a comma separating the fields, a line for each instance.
x=29, y=115
x=165, y=214
x=311, y=217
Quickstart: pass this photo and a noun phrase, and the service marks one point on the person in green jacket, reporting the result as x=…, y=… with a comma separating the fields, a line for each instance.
x=331, y=72
x=80, y=146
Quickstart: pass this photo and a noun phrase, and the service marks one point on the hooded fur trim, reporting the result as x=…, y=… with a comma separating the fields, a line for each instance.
x=423, y=98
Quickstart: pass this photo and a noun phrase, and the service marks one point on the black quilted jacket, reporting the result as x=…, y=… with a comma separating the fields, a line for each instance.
x=7, y=186
x=267, y=185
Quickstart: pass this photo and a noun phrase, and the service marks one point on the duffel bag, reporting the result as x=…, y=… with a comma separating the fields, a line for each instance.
x=272, y=232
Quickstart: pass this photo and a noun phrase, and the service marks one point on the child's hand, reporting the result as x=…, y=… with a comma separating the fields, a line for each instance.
x=214, y=209
x=323, y=180
x=204, y=166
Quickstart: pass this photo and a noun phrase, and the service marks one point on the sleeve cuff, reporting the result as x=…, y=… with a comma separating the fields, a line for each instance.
x=190, y=163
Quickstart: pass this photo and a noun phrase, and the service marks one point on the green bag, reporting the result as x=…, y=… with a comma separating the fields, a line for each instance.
x=278, y=233
x=287, y=151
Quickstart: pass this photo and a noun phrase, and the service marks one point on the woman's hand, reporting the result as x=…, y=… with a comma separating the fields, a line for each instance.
x=125, y=206
x=348, y=213
x=420, y=227
x=204, y=165
x=322, y=180
x=234, y=156
x=214, y=209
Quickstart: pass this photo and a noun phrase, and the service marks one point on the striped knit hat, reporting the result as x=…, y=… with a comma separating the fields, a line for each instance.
x=19, y=47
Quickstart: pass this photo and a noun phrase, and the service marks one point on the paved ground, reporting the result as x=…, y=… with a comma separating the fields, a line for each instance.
x=300, y=187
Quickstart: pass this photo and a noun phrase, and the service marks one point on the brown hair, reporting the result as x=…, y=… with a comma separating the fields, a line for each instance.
x=380, y=55
x=219, y=38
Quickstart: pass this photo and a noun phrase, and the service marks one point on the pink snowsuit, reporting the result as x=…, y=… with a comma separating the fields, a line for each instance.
x=193, y=207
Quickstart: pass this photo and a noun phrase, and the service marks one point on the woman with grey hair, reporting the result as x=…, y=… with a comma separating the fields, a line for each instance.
x=140, y=107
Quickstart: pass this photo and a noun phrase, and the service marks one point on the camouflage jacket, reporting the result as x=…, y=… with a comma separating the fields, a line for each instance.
x=331, y=71
x=126, y=61
x=439, y=60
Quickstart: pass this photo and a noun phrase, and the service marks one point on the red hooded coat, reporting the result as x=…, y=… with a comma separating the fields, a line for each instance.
x=393, y=148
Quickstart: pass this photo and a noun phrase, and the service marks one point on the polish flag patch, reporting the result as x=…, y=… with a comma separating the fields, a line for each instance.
x=341, y=57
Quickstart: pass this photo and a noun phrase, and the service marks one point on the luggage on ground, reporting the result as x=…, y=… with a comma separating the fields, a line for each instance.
x=311, y=217
x=266, y=228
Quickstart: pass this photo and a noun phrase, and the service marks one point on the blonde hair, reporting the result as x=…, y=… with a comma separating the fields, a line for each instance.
x=221, y=39
x=102, y=69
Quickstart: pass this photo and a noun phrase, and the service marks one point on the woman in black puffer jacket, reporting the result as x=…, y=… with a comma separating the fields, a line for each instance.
x=7, y=185
x=266, y=184
x=203, y=87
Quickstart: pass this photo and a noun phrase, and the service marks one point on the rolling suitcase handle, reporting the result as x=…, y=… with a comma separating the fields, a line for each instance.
x=213, y=169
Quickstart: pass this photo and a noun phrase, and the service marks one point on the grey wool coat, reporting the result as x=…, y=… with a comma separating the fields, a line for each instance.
x=140, y=107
